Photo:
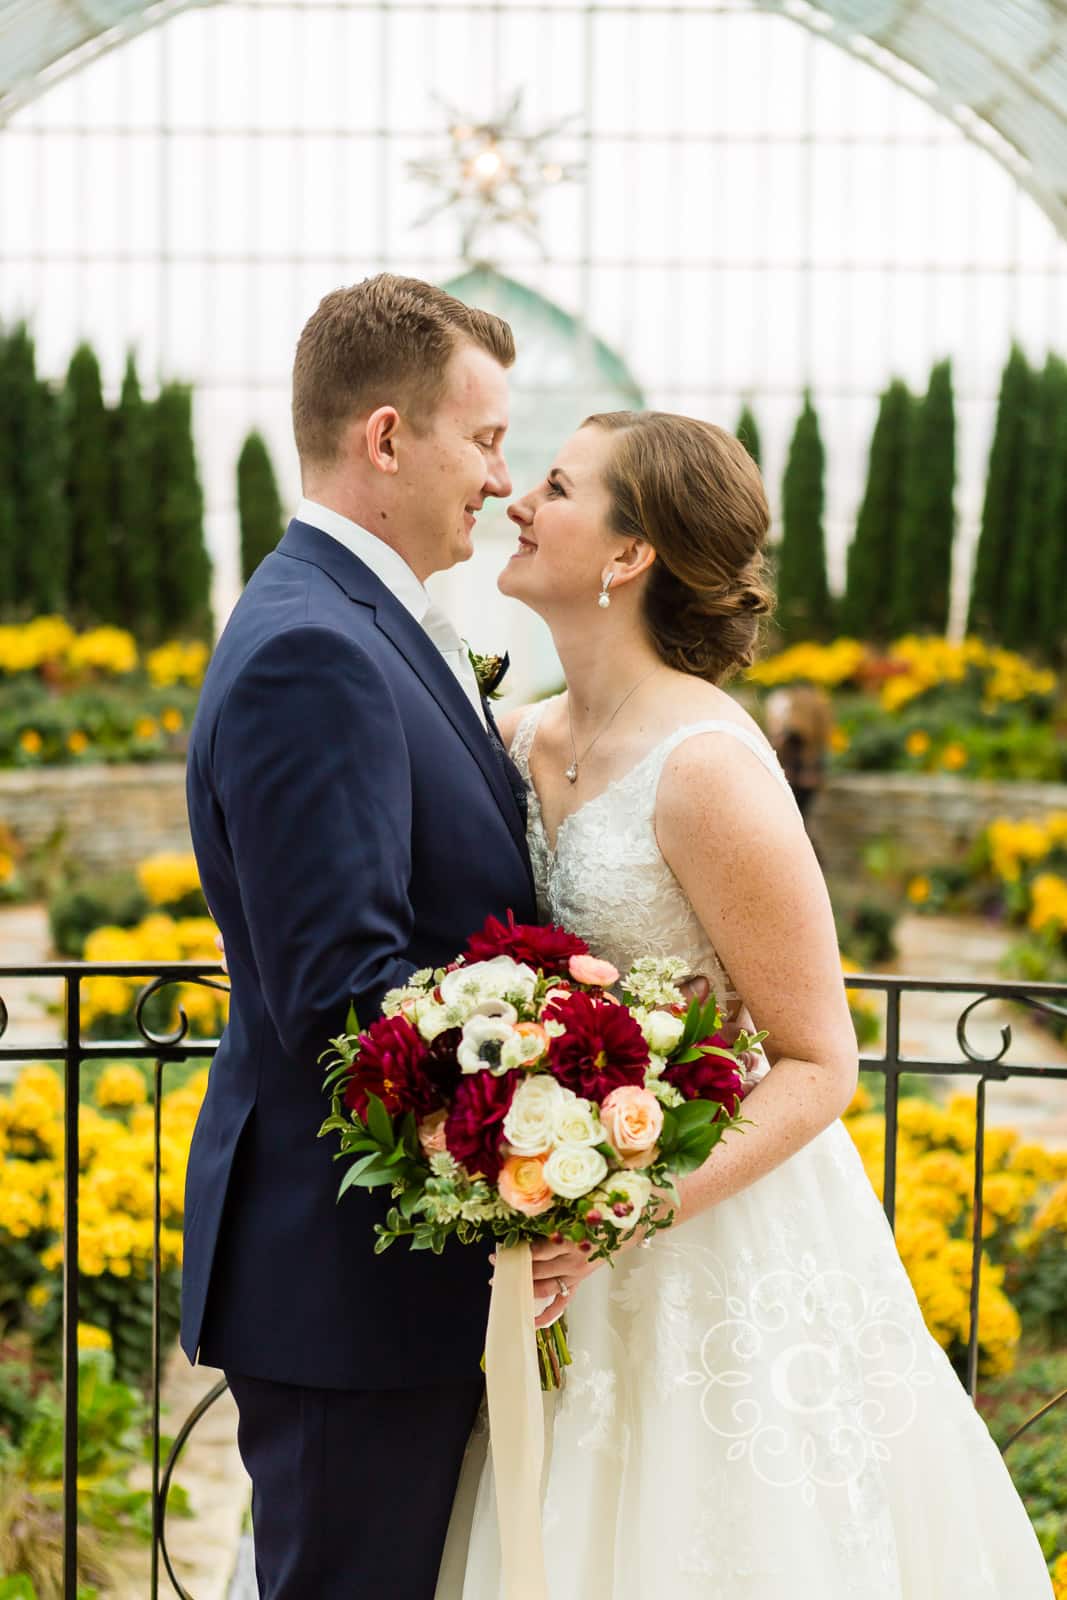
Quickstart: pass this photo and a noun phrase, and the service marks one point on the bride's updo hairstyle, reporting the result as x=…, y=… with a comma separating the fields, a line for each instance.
x=693, y=492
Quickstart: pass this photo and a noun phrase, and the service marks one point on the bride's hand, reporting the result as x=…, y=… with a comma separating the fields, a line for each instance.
x=556, y=1266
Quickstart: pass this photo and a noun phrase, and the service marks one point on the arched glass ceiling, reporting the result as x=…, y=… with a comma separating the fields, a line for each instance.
x=998, y=68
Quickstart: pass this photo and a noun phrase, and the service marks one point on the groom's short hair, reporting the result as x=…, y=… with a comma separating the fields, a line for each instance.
x=385, y=341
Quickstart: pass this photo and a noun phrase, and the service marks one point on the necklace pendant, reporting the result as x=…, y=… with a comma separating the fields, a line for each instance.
x=571, y=773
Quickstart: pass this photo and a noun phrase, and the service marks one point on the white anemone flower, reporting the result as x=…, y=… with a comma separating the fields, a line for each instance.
x=482, y=1047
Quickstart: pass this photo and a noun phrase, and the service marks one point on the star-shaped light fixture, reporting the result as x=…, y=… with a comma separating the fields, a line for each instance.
x=493, y=174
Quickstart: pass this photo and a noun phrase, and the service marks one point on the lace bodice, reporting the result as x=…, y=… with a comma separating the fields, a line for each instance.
x=606, y=879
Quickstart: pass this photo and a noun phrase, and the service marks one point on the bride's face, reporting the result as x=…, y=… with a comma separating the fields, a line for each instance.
x=564, y=532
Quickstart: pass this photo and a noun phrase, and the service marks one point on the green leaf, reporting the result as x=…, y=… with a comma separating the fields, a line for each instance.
x=358, y=1168
x=411, y=1204
x=352, y=1021
x=380, y=1123
x=694, y=1114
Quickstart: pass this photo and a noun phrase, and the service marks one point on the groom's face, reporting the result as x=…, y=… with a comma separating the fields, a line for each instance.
x=454, y=465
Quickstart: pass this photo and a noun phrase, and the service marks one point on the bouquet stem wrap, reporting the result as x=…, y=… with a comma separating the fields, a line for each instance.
x=516, y=1423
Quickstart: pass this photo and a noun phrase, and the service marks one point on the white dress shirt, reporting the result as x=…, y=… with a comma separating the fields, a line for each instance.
x=392, y=570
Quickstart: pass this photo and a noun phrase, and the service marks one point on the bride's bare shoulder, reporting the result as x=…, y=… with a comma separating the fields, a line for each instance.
x=693, y=701
x=510, y=721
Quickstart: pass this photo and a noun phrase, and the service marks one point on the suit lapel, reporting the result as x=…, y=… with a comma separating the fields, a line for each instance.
x=418, y=650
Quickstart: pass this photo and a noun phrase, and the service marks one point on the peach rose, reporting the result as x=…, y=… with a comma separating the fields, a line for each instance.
x=432, y=1133
x=597, y=974
x=522, y=1185
x=633, y=1121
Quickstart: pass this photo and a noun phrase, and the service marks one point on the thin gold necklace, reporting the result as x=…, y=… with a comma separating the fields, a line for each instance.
x=571, y=773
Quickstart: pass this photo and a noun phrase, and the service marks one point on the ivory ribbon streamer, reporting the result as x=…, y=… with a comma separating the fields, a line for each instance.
x=516, y=1424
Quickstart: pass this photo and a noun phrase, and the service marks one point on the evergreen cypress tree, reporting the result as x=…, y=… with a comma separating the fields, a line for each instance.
x=94, y=557
x=1020, y=604
x=35, y=454
x=133, y=509
x=922, y=577
x=748, y=433
x=184, y=565
x=866, y=610
x=8, y=528
x=1000, y=510
x=258, y=503
x=804, y=606
x=1052, y=550
x=8, y=551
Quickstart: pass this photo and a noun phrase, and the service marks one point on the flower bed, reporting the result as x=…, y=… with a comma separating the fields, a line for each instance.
x=70, y=698
x=1016, y=870
x=930, y=705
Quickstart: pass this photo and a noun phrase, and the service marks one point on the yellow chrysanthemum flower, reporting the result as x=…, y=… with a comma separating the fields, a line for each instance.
x=120, y=1087
x=91, y=1338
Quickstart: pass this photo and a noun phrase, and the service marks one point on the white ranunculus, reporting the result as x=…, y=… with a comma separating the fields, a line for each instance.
x=662, y=1031
x=578, y=1121
x=530, y=1125
x=573, y=1169
x=623, y=1198
x=482, y=1046
x=499, y=979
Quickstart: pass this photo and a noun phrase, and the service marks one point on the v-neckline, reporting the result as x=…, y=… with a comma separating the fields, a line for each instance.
x=553, y=846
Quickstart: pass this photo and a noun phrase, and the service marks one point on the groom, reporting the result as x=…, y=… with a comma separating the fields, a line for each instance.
x=354, y=819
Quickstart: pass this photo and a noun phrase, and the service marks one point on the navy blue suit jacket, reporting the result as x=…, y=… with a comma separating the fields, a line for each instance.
x=352, y=823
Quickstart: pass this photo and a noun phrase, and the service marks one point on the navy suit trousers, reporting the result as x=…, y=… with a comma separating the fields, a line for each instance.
x=351, y=1488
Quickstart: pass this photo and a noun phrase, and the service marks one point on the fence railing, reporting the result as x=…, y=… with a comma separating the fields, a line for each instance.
x=71, y=1051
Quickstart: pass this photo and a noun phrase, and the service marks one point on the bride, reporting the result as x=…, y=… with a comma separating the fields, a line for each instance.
x=756, y=1409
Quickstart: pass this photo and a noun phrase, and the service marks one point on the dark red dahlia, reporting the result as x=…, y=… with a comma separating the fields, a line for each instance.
x=474, y=1131
x=548, y=948
x=711, y=1077
x=392, y=1064
x=602, y=1049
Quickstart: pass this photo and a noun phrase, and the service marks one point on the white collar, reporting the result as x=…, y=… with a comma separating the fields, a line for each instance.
x=380, y=557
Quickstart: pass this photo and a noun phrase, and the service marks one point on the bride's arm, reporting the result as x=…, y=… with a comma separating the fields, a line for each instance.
x=736, y=843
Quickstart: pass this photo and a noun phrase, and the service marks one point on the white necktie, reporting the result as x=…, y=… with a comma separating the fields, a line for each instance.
x=452, y=648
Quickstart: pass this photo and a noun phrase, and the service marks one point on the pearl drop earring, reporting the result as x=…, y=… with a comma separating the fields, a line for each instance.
x=604, y=598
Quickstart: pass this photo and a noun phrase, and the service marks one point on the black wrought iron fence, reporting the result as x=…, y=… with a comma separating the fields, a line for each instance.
x=71, y=1051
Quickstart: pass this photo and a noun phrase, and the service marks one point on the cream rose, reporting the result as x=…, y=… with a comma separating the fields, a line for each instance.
x=522, y=1185
x=662, y=1031
x=623, y=1198
x=573, y=1169
x=577, y=1120
x=430, y=1019
x=633, y=1121
x=530, y=1125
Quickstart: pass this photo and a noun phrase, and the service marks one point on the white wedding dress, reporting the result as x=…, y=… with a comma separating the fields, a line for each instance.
x=756, y=1410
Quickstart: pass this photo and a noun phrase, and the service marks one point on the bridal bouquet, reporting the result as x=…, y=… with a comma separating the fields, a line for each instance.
x=513, y=1096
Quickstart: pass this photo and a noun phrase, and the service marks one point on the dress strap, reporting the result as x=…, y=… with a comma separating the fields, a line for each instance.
x=752, y=741
x=523, y=737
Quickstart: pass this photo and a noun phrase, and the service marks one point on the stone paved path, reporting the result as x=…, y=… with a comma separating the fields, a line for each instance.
x=932, y=947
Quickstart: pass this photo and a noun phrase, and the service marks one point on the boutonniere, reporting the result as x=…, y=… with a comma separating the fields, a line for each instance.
x=490, y=672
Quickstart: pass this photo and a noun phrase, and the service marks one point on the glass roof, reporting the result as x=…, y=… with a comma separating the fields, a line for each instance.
x=998, y=68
